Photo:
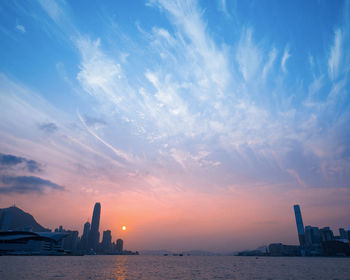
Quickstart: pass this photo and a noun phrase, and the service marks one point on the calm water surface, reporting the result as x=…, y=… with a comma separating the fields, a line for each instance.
x=171, y=267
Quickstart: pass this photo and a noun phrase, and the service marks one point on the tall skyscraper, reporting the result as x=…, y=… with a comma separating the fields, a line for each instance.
x=106, y=241
x=85, y=237
x=300, y=225
x=312, y=236
x=119, y=246
x=94, y=235
x=326, y=234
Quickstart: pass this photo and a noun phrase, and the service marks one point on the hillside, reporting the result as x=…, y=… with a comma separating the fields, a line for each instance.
x=13, y=218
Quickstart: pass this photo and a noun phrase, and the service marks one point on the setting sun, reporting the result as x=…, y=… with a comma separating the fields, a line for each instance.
x=123, y=227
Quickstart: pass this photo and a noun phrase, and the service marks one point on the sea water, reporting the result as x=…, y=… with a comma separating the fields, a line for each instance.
x=171, y=267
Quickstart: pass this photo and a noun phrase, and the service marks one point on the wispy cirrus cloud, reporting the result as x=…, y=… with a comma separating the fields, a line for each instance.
x=248, y=56
x=335, y=55
x=62, y=151
x=119, y=153
x=182, y=105
x=196, y=101
x=285, y=57
x=223, y=7
x=190, y=92
x=186, y=16
x=269, y=64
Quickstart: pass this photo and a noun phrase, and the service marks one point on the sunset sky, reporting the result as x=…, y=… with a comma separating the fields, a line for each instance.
x=197, y=124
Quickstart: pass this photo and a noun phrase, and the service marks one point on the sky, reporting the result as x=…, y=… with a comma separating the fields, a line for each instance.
x=197, y=124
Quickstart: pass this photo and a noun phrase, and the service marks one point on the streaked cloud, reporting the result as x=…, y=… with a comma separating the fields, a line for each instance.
x=248, y=56
x=94, y=122
x=179, y=104
x=269, y=64
x=20, y=28
x=26, y=184
x=9, y=161
x=55, y=9
x=49, y=127
x=161, y=105
x=335, y=55
x=285, y=57
x=223, y=7
x=119, y=153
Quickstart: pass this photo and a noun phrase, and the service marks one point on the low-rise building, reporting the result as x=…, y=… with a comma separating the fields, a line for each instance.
x=31, y=243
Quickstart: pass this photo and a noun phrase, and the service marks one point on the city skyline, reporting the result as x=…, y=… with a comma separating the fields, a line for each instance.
x=310, y=238
x=313, y=240
x=187, y=120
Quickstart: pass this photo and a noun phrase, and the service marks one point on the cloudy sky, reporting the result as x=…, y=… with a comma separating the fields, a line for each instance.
x=198, y=124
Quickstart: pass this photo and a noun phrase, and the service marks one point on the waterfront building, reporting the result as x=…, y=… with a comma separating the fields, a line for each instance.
x=279, y=249
x=31, y=243
x=94, y=235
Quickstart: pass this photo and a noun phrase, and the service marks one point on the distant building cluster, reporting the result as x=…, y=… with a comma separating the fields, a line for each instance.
x=22, y=240
x=89, y=241
x=314, y=241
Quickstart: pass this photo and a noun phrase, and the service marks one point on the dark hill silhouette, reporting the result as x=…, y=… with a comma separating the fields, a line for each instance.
x=13, y=218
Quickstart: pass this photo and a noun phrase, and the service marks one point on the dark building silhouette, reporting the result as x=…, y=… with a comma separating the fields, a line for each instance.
x=31, y=243
x=300, y=225
x=71, y=241
x=94, y=235
x=119, y=246
x=335, y=248
x=343, y=234
x=84, y=241
x=312, y=235
x=5, y=217
x=85, y=237
x=20, y=234
x=314, y=241
x=326, y=234
x=106, y=241
x=279, y=249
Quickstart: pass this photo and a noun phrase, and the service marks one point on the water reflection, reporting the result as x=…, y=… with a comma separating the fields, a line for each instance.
x=120, y=269
x=160, y=268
